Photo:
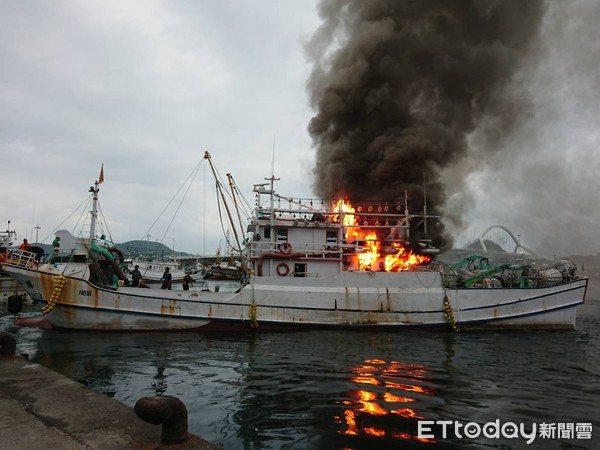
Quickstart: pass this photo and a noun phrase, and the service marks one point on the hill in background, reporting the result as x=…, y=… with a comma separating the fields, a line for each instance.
x=135, y=249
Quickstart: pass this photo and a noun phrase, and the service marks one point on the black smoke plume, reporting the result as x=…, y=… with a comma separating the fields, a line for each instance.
x=398, y=85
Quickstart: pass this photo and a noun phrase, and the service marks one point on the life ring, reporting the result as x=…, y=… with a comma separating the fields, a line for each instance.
x=285, y=248
x=283, y=269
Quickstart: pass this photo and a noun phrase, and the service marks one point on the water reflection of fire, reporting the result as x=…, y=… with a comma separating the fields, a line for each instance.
x=382, y=401
x=377, y=252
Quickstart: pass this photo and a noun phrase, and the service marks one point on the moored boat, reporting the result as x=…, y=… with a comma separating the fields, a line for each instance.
x=152, y=271
x=310, y=263
x=8, y=285
x=223, y=270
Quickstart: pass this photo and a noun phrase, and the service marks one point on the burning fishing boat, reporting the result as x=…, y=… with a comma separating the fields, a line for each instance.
x=307, y=263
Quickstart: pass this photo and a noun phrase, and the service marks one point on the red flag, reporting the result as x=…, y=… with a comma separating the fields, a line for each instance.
x=101, y=177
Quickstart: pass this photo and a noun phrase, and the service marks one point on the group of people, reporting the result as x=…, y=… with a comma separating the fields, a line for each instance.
x=35, y=249
x=136, y=275
x=166, y=279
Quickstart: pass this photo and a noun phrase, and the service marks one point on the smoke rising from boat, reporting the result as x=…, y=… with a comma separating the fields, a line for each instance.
x=541, y=180
x=398, y=86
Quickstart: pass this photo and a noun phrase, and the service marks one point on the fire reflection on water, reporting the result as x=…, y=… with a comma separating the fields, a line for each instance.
x=383, y=393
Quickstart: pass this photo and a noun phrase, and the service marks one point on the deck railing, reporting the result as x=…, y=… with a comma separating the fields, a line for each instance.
x=21, y=258
x=307, y=250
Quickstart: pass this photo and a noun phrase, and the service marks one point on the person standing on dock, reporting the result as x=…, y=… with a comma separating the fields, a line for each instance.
x=136, y=276
x=187, y=281
x=166, y=279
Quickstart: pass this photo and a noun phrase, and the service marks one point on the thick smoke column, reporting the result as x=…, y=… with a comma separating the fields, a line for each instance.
x=398, y=85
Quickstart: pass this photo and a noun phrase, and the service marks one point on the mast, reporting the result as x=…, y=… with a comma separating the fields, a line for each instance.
x=237, y=240
x=225, y=204
x=406, y=215
x=94, y=190
x=94, y=213
x=424, y=204
x=272, y=179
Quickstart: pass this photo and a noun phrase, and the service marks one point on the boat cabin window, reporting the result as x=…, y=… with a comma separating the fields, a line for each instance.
x=267, y=233
x=299, y=270
x=360, y=245
x=332, y=237
x=282, y=236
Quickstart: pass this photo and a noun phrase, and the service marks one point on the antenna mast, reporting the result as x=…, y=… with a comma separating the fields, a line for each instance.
x=425, y=204
x=272, y=179
x=273, y=159
x=94, y=190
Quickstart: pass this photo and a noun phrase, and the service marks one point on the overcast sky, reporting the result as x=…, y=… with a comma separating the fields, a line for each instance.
x=145, y=87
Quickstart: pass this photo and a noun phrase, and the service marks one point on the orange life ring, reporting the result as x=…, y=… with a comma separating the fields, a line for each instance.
x=285, y=248
x=283, y=269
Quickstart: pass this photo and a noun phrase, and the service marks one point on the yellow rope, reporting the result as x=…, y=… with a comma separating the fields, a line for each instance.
x=253, y=321
x=59, y=283
x=449, y=314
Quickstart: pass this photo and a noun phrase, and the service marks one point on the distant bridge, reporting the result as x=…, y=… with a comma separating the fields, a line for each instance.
x=503, y=237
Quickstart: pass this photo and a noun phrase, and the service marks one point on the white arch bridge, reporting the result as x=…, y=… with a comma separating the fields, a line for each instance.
x=502, y=236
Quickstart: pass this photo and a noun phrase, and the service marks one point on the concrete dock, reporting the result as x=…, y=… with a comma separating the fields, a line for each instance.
x=41, y=409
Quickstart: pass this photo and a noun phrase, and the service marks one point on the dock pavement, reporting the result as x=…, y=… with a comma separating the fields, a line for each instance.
x=41, y=409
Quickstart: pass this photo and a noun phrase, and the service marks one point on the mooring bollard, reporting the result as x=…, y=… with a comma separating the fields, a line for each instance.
x=15, y=304
x=168, y=411
x=8, y=344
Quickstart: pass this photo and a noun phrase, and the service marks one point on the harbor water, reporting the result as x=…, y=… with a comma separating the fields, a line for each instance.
x=350, y=389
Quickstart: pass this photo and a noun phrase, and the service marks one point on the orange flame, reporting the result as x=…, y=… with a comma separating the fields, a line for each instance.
x=347, y=212
x=372, y=255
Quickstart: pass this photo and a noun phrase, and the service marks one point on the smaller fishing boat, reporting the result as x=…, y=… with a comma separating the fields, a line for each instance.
x=153, y=271
x=8, y=285
x=224, y=270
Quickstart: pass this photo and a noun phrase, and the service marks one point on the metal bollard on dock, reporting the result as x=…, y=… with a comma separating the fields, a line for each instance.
x=168, y=411
x=8, y=344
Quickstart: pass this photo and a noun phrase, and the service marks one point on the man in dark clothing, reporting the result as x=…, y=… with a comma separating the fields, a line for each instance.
x=166, y=279
x=136, y=276
x=187, y=281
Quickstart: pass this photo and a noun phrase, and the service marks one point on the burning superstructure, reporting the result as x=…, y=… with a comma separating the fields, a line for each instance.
x=335, y=236
x=379, y=236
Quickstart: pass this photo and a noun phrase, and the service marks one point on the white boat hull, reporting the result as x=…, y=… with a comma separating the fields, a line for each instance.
x=352, y=299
